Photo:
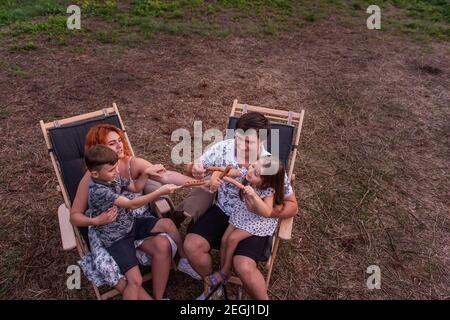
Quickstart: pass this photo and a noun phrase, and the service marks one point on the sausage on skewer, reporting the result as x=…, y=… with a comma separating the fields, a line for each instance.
x=225, y=172
x=234, y=182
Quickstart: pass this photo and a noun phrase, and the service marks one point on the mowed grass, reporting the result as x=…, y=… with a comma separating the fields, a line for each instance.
x=418, y=18
x=28, y=20
x=352, y=195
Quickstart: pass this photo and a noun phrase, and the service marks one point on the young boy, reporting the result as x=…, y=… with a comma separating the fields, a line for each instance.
x=118, y=237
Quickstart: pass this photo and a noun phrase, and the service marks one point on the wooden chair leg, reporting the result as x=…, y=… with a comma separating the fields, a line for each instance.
x=240, y=293
x=272, y=260
x=97, y=292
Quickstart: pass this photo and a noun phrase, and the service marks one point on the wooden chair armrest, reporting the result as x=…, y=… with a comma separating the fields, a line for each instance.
x=285, y=231
x=67, y=234
x=162, y=207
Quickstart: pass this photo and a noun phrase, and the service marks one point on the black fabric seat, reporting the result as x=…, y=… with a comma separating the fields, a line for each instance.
x=68, y=147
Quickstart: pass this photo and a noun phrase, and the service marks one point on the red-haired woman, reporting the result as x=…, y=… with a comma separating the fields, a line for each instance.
x=159, y=248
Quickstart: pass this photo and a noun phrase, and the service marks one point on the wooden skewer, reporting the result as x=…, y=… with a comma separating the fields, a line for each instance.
x=234, y=182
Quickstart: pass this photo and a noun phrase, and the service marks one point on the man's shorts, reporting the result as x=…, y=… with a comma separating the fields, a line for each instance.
x=123, y=250
x=212, y=225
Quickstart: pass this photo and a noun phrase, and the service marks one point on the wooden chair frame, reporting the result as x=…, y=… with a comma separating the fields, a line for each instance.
x=70, y=235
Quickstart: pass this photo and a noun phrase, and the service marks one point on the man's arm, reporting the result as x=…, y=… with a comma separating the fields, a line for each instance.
x=175, y=178
x=288, y=209
x=262, y=207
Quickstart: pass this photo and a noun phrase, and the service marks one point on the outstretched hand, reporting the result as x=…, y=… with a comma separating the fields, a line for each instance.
x=168, y=189
x=198, y=171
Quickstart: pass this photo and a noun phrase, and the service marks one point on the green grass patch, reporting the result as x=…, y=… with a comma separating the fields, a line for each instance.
x=167, y=9
x=282, y=5
x=103, y=8
x=217, y=18
x=106, y=36
x=417, y=18
x=310, y=17
x=178, y=8
x=4, y=114
x=426, y=10
x=13, y=70
x=21, y=10
x=28, y=46
x=54, y=28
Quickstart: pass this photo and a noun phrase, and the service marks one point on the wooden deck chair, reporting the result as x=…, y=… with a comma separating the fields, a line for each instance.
x=65, y=140
x=289, y=125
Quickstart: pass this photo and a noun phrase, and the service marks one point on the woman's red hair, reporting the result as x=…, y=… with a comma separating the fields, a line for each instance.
x=97, y=135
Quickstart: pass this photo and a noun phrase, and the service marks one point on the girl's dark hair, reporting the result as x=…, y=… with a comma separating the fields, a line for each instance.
x=274, y=181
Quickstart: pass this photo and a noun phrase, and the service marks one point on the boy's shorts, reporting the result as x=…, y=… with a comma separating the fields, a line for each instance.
x=212, y=225
x=123, y=250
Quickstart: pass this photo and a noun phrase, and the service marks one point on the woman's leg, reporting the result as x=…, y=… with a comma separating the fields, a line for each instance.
x=166, y=225
x=160, y=250
x=252, y=279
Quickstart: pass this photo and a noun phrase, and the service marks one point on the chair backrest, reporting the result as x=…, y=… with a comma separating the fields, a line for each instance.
x=68, y=147
x=65, y=140
x=286, y=136
x=289, y=125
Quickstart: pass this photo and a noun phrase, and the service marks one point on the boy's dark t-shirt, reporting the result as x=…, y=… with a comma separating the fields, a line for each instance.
x=101, y=197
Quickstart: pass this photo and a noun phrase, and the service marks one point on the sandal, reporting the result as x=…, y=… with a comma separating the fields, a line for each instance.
x=213, y=285
x=216, y=278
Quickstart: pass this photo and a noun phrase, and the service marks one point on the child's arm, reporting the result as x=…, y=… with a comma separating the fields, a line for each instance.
x=153, y=171
x=263, y=207
x=138, y=202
